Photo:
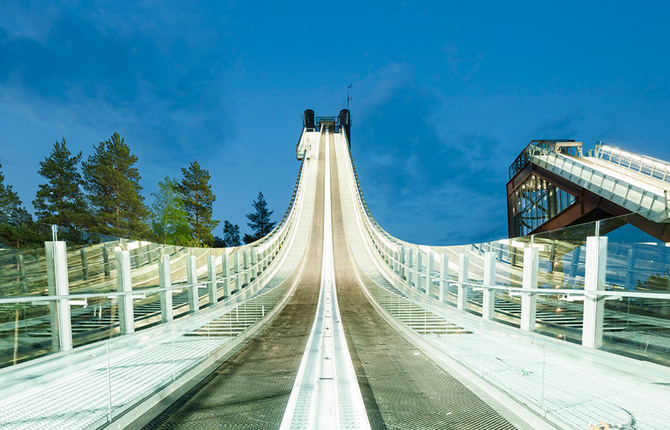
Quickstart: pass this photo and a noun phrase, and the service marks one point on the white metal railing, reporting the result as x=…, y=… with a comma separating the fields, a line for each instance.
x=231, y=272
x=653, y=205
x=657, y=169
x=419, y=268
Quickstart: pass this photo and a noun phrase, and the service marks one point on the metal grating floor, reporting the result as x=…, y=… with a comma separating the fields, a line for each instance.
x=251, y=389
x=402, y=388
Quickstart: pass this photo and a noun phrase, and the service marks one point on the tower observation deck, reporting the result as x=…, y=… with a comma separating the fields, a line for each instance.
x=331, y=322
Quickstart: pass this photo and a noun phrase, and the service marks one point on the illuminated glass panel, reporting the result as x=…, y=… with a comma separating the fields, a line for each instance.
x=536, y=201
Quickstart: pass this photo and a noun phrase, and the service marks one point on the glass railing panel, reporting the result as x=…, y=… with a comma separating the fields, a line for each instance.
x=147, y=310
x=99, y=320
x=92, y=269
x=562, y=264
x=563, y=256
x=25, y=332
x=23, y=272
x=560, y=316
x=91, y=264
x=25, y=328
x=636, y=262
x=180, y=305
x=475, y=277
x=638, y=327
x=517, y=369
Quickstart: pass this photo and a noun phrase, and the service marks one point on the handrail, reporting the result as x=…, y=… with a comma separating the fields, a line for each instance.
x=648, y=203
x=649, y=166
x=377, y=233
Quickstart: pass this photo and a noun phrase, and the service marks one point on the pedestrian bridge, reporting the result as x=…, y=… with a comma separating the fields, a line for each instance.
x=330, y=322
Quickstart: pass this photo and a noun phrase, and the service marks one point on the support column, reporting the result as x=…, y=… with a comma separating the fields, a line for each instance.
x=225, y=273
x=211, y=277
x=247, y=266
x=410, y=266
x=488, y=302
x=165, y=281
x=238, y=267
x=124, y=284
x=192, y=281
x=396, y=257
x=594, y=280
x=463, y=278
x=105, y=261
x=630, y=267
x=84, y=263
x=430, y=266
x=254, y=267
x=552, y=256
x=59, y=310
x=419, y=269
x=574, y=264
x=531, y=264
x=444, y=279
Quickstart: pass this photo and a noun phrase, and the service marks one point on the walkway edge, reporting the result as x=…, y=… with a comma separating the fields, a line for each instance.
x=516, y=413
x=152, y=406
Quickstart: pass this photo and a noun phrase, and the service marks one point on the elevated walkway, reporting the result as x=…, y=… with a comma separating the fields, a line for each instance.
x=523, y=333
x=606, y=182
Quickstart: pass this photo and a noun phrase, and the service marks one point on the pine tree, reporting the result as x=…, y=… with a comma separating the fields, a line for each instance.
x=61, y=200
x=169, y=218
x=198, y=198
x=114, y=189
x=231, y=234
x=259, y=220
x=15, y=221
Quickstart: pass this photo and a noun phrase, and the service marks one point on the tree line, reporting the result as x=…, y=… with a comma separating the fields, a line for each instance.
x=102, y=195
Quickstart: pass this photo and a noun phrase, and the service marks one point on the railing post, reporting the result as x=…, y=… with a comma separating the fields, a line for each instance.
x=124, y=284
x=396, y=257
x=225, y=272
x=238, y=265
x=192, y=281
x=489, y=279
x=59, y=310
x=419, y=269
x=211, y=277
x=630, y=266
x=531, y=263
x=246, y=266
x=594, y=280
x=84, y=264
x=254, y=260
x=444, y=278
x=105, y=261
x=410, y=266
x=574, y=264
x=402, y=260
x=552, y=256
x=463, y=278
x=165, y=281
x=430, y=265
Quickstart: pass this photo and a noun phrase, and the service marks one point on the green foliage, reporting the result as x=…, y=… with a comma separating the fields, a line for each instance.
x=61, y=201
x=16, y=225
x=169, y=219
x=259, y=220
x=114, y=189
x=198, y=197
x=231, y=234
x=656, y=281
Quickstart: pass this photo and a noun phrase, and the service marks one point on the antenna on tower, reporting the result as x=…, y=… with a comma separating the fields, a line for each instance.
x=348, y=96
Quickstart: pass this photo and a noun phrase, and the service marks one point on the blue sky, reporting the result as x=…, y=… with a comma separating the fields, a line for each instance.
x=445, y=94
